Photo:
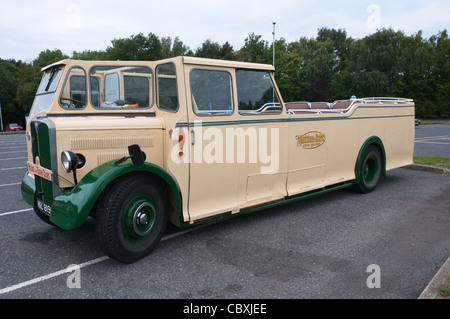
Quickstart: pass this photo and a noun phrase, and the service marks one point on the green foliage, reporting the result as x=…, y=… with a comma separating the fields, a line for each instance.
x=432, y=161
x=8, y=85
x=255, y=50
x=329, y=67
x=136, y=48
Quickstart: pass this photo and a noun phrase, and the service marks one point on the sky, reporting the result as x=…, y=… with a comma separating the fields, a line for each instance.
x=28, y=27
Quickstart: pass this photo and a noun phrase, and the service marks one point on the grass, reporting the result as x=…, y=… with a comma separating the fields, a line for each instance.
x=432, y=161
x=10, y=133
x=444, y=288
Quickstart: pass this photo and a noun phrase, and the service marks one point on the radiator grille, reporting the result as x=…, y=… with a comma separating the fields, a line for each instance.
x=104, y=143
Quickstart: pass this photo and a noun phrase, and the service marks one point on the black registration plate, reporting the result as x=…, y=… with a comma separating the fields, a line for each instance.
x=43, y=207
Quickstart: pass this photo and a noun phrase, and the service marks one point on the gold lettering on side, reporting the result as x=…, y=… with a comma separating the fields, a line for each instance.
x=310, y=140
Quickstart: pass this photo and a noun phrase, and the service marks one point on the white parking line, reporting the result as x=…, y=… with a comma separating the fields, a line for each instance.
x=14, y=152
x=88, y=263
x=11, y=147
x=10, y=168
x=432, y=143
x=4, y=185
x=12, y=158
x=49, y=276
x=16, y=211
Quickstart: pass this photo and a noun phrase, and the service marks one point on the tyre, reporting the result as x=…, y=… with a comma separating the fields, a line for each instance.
x=369, y=170
x=131, y=217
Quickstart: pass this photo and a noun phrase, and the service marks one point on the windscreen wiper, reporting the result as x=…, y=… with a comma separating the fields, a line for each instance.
x=52, y=75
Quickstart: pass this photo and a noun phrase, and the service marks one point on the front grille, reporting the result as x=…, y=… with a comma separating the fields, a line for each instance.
x=42, y=155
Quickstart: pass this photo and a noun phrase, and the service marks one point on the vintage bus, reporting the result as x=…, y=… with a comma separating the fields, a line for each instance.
x=189, y=140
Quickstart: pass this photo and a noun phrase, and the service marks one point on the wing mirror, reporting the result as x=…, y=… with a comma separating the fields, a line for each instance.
x=136, y=155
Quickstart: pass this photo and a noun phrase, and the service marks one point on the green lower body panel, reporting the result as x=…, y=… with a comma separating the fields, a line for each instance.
x=28, y=188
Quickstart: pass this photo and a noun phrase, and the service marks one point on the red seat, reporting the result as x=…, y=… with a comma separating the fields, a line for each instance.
x=341, y=105
x=297, y=105
x=320, y=106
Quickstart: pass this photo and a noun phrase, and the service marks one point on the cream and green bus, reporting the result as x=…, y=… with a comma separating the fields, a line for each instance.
x=138, y=144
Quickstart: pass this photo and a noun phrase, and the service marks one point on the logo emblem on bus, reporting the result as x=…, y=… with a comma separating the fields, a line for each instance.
x=36, y=126
x=310, y=140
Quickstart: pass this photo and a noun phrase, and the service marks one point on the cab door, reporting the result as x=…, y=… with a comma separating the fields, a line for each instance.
x=213, y=184
x=262, y=177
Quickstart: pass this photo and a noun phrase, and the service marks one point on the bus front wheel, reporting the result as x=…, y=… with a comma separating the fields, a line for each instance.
x=131, y=217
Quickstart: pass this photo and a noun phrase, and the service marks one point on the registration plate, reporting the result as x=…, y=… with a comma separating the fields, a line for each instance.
x=43, y=207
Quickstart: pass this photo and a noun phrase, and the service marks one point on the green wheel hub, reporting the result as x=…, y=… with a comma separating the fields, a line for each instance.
x=370, y=169
x=138, y=218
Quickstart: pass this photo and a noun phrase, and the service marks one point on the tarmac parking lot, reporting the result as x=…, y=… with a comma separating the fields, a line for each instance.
x=433, y=140
x=323, y=247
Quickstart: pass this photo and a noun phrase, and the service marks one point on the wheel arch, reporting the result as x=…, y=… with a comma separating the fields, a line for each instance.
x=71, y=209
x=166, y=182
x=376, y=141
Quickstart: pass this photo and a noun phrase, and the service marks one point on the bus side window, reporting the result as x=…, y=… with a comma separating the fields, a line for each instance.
x=211, y=92
x=256, y=93
x=95, y=91
x=121, y=86
x=112, y=92
x=167, y=87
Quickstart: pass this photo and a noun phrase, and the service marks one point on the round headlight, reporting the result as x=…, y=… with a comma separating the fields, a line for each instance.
x=69, y=161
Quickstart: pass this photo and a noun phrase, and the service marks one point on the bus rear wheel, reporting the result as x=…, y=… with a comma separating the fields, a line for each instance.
x=369, y=170
x=131, y=217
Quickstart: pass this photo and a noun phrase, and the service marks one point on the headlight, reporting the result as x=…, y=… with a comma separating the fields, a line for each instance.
x=69, y=161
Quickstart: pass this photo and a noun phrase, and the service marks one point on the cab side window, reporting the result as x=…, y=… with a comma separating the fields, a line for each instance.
x=114, y=87
x=167, y=97
x=256, y=94
x=112, y=92
x=211, y=92
x=95, y=91
x=74, y=95
x=136, y=89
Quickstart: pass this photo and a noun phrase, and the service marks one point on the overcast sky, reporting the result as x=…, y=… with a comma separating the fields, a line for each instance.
x=28, y=27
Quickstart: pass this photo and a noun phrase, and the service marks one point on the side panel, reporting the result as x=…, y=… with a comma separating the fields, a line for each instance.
x=102, y=139
x=321, y=153
x=324, y=148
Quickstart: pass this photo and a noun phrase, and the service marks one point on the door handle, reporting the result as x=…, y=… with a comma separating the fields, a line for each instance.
x=193, y=137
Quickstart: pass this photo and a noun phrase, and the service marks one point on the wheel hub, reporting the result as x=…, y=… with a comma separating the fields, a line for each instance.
x=141, y=219
x=370, y=169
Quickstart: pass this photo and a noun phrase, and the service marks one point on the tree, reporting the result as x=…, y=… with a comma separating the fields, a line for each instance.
x=318, y=64
x=89, y=55
x=136, y=48
x=288, y=66
x=48, y=57
x=208, y=49
x=8, y=86
x=226, y=52
x=440, y=74
x=179, y=49
x=213, y=50
x=30, y=75
x=255, y=50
